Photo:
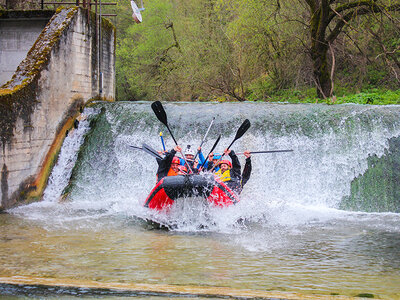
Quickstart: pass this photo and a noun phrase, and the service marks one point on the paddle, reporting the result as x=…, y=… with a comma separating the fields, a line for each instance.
x=212, y=149
x=266, y=151
x=136, y=147
x=146, y=148
x=162, y=140
x=201, y=144
x=162, y=116
x=242, y=130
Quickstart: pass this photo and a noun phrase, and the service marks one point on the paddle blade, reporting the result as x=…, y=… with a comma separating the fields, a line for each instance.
x=146, y=148
x=159, y=112
x=242, y=130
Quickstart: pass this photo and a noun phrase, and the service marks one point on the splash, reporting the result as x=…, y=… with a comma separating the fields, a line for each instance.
x=331, y=145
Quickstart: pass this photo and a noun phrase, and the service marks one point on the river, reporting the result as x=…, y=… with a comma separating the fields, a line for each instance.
x=290, y=231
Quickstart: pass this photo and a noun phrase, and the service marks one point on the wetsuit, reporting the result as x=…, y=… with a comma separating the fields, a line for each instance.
x=164, y=165
x=246, y=173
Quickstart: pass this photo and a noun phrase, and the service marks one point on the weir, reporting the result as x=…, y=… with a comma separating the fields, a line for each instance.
x=333, y=148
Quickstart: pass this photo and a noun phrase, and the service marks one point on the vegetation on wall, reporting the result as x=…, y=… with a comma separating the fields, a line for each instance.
x=257, y=49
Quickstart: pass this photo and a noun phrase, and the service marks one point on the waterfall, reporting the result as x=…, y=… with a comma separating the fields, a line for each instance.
x=331, y=146
x=62, y=170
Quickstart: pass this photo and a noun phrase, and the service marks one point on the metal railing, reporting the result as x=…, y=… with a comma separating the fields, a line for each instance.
x=84, y=3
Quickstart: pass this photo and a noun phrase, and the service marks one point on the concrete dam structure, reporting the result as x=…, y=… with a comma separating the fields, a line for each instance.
x=51, y=65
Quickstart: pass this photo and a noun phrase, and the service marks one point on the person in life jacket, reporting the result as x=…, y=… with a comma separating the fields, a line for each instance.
x=189, y=156
x=168, y=166
x=230, y=172
x=182, y=170
x=212, y=160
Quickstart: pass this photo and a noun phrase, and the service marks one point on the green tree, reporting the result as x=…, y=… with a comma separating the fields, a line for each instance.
x=328, y=18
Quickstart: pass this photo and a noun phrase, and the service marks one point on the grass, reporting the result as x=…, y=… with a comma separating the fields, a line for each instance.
x=373, y=96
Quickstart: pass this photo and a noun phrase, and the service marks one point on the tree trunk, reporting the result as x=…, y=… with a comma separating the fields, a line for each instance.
x=319, y=10
x=319, y=56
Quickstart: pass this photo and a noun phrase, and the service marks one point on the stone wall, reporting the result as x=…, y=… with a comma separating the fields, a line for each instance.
x=59, y=75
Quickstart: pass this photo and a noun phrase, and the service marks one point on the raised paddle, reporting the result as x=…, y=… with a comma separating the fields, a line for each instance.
x=136, y=147
x=201, y=144
x=146, y=148
x=212, y=149
x=266, y=151
x=162, y=116
x=242, y=130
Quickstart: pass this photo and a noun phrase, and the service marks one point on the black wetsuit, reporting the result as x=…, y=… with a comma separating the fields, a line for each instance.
x=165, y=164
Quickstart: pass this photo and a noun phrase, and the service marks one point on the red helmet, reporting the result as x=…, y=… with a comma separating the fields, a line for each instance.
x=182, y=169
x=226, y=162
x=176, y=160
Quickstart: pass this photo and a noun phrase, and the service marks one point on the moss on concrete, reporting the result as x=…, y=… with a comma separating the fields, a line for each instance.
x=18, y=99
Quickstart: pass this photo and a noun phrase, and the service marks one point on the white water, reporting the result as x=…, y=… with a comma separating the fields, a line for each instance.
x=290, y=236
x=294, y=188
x=62, y=170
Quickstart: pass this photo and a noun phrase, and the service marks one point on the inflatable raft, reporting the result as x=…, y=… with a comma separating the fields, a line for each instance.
x=172, y=188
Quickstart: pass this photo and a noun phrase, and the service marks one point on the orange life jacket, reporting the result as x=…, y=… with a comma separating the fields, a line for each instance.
x=171, y=172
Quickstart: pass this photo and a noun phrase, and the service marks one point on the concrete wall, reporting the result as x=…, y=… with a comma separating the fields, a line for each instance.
x=16, y=38
x=57, y=77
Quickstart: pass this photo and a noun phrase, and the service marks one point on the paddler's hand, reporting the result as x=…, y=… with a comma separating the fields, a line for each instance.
x=178, y=148
x=226, y=152
x=247, y=154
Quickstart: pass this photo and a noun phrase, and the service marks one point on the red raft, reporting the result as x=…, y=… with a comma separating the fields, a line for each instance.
x=172, y=188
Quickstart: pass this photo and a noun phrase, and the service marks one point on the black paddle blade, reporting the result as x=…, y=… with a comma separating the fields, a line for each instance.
x=242, y=129
x=159, y=112
x=146, y=148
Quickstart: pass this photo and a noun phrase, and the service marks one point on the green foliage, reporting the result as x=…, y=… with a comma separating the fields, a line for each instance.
x=257, y=50
x=373, y=96
x=138, y=51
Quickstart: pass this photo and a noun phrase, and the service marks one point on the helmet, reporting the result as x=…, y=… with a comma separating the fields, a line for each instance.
x=176, y=160
x=217, y=156
x=189, y=151
x=182, y=169
x=225, y=161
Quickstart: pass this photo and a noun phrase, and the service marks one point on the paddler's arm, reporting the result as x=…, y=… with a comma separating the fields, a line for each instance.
x=165, y=163
x=236, y=168
x=247, y=168
x=202, y=159
x=209, y=164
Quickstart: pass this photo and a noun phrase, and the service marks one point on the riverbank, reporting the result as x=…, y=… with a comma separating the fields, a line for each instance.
x=370, y=96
